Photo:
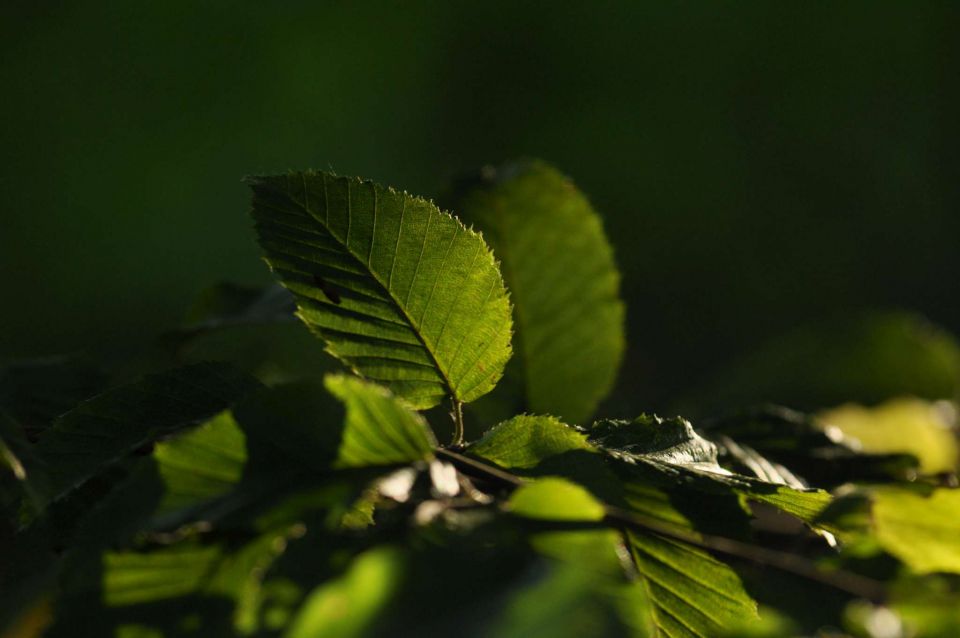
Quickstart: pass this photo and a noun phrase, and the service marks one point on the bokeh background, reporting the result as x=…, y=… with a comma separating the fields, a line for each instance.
x=760, y=166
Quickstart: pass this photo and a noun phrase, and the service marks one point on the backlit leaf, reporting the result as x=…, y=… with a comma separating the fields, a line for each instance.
x=402, y=292
x=564, y=285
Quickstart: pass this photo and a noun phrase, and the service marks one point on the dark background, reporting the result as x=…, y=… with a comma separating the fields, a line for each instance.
x=759, y=165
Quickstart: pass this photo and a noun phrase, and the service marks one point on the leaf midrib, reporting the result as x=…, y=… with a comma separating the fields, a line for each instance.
x=367, y=268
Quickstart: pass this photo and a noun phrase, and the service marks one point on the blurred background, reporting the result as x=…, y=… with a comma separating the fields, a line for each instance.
x=761, y=167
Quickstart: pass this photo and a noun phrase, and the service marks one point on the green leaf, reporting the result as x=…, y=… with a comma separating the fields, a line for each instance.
x=563, y=281
x=348, y=606
x=925, y=430
x=678, y=454
x=216, y=584
x=694, y=595
x=111, y=425
x=807, y=446
x=588, y=589
x=36, y=391
x=555, y=499
x=400, y=291
x=201, y=465
x=379, y=429
x=525, y=441
x=922, y=531
x=296, y=423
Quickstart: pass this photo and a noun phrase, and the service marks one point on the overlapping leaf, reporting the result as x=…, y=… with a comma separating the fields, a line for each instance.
x=379, y=429
x=922, y=531
x=808, y=446
x=400, y=291
x=564, y=284
x=119, y=421
x=680, y=579
x=679, y=454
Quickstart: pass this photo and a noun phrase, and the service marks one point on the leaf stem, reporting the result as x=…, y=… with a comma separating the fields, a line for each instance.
x=846, y=581
x=457, y=414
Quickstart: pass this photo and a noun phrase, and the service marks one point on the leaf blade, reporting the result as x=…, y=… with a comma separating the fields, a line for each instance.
x=115, y=423
x=559, y=266
x=401, y=292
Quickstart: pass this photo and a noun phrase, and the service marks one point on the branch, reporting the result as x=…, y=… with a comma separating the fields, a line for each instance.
x=846, y=581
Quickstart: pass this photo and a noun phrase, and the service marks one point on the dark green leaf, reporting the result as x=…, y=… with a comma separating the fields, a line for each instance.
x=35, y=392
x=114, y=424
x=677, y=453
x=807, y=446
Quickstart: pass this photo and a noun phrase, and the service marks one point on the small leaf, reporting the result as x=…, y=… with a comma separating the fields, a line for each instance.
x=525, y=441
x=409, y=297
x=201, y=465
x=564, y=284
x=555, y=499
x=922, y=531
x=922, y=429
x=379, y=429
x=349, y=605
x=113, y=424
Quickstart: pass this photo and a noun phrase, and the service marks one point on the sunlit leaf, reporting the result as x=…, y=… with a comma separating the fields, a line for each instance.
x=693, y=594
x=559, y=268
x=201, y=465
x=400, y=291
x=799, y=443
x=379, y=429
x=525, y=441
x=348, y=606
x=922, y=429
x=922, y=531
x=557, y=500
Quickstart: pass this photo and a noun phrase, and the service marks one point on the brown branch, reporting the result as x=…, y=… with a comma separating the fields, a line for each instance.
x=846, y=581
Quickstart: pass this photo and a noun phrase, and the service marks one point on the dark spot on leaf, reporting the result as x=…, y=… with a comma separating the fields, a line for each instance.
x=327, y=288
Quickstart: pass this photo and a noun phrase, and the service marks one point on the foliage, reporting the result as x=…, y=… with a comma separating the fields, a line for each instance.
x=279, y=496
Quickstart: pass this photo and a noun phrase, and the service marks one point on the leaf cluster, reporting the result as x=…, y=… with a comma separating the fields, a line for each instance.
x=424, y=458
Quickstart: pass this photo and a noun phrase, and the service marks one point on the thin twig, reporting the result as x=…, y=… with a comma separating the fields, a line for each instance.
x=846, y=581
x=457, y=414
